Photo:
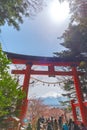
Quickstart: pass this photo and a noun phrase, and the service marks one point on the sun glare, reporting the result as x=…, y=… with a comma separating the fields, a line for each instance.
x=58, y=11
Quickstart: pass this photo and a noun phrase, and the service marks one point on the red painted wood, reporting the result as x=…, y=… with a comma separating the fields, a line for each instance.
x=79, y=95
x=48, y=63
x=18, y=71
x=85, y=103
x=74, y=111
x=38, y=72
x=77, y=104
x=24, y=107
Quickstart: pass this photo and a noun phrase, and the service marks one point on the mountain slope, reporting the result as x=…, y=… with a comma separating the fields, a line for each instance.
x=52, y=101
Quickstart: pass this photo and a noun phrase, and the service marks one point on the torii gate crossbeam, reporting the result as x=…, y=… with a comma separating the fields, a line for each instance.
x=50, y=62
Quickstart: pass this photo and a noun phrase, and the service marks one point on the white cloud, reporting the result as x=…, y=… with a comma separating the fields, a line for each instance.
x=52, y=94
x=45, y=91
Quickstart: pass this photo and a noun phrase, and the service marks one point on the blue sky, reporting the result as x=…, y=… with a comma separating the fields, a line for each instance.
x=37, y=37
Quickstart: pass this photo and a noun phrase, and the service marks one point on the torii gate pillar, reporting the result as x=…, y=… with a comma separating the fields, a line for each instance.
x=79, y=96
x=73, y=111
x=24, y=106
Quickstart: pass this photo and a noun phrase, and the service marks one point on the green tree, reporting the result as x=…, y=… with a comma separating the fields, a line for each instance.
x=74, y=37
x=13, y=11
x=10, y=95
x=78, y=11
x=75, y=43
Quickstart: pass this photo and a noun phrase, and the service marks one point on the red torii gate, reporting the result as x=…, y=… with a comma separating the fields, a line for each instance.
x=50, y=62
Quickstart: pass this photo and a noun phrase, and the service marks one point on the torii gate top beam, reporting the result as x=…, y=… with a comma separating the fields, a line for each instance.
x=45, y=61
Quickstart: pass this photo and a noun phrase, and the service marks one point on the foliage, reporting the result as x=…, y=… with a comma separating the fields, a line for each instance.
x=35, y=107
x=75, y=42
x=74, y=37
x=9, y=94
x=78, y=11
x=66, y=105
x=13, y=11
x=29, y=127
x=36, y=110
